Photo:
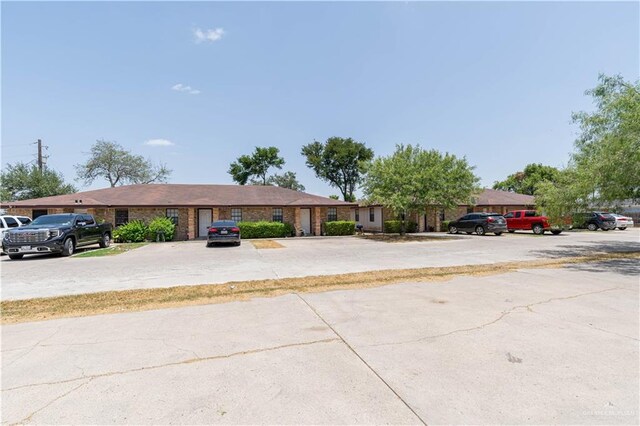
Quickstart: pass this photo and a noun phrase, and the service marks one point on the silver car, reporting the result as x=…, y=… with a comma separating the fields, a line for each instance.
x=623, y=222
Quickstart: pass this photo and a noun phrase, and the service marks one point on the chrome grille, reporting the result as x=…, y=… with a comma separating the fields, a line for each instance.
x=29, y=236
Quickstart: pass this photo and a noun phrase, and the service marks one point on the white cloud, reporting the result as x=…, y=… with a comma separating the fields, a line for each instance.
x=159, y=142
x=207, y=35
x=183, y=88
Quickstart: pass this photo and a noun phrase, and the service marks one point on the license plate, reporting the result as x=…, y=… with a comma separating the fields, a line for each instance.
x=25, y=248
x=224, y=231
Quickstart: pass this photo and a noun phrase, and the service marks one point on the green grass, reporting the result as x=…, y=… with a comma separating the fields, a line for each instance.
x=111, y=251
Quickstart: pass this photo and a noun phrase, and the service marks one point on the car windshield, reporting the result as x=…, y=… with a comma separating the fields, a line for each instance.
x=223, y=223
x=53, y=219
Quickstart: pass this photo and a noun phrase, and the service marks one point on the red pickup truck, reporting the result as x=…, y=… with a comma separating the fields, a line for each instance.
x=529, y=220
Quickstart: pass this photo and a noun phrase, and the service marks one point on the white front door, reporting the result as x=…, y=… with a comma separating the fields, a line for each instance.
x=305, y=221
x=204, y=221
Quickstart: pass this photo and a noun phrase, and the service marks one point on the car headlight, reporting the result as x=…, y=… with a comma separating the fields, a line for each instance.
x=53, y=233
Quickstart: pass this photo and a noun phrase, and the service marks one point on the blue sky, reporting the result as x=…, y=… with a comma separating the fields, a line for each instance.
x=493, y=81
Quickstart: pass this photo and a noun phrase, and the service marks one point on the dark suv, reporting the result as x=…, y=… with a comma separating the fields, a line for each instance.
x=480, y=223
x=594, y=221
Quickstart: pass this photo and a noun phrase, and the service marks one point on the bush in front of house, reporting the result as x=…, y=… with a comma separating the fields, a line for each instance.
x=289, y=229
x=393, y=226
x=340, y=227
x=264, y=229
x=161, y=224
x=131, y=232
x=444, y=226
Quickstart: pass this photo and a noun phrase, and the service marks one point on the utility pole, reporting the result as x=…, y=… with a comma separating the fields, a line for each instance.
x=41, y=158
x=40, y=155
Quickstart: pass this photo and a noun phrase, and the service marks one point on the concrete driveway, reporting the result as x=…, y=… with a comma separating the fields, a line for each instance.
x=534, y=346
x=184, y=263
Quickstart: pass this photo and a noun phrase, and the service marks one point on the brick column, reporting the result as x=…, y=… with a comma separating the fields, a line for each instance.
x=317, y=221
x=297, y=222
x=437, y=221
x=421, y=219
x=191, y=227
x=215, y=214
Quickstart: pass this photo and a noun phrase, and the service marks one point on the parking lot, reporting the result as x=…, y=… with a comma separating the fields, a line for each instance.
x=190, y=262
x=546, y=346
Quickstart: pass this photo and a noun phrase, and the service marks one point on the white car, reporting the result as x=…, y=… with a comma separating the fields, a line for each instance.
x=8, y=222
x=623, y=222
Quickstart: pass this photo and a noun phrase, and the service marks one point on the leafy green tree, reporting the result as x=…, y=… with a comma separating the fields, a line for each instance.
x=286, y=180
x=249, y=167
x=605, y=168
x=608, y=149
x=25, y=181
x=413, y=178
x=526, y=181
x=339, y=161
x=334, y=197
x=110, y=161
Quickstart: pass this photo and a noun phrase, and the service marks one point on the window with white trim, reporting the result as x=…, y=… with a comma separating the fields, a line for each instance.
x=277, y=215
x=173, y=215
x=236, y=215
x=332, y=214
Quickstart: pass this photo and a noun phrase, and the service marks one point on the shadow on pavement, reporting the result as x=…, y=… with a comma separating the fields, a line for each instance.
x=629, y=267
x=594, y=247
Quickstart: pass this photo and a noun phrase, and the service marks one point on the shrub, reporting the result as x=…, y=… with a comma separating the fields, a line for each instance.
x=290, y=230
x=393, y=226
x=264, y=229
x=444, y=226
x=161, y=224
x=340, y=227
x=131, y=232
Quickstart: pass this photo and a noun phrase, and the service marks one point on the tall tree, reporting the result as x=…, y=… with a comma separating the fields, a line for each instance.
x=526, y=181
x=412, y=178
x=339, y=161
x=286, y=180
x=254, y=168
x=25, y=181
x=605, y=167
x=110, y=161
x=608, y=148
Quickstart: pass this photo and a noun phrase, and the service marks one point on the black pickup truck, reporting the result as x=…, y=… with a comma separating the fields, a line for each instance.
x=56, y=233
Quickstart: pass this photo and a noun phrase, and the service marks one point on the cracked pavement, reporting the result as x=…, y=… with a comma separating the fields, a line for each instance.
x=533, y=346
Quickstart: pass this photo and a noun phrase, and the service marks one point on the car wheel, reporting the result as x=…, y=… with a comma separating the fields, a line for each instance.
x=537, y=229
x=623, y=228
x=16, y=256
x=592, y=227
x=105, y=241
x=453, y=230
x=68, y=247
x=498, y=233
x=605, y=229
x=556, y=232
x=480, y=230
x=208, y=244
x=511, y=231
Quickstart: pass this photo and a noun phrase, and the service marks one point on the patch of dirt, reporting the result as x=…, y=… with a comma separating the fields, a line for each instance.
x=266, y=244
x=14, y=311
x=397, y=238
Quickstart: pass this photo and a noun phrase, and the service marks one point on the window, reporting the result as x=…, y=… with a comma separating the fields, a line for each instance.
x=277, y=215
x=11, y=222
x=25, y=220
x=469, y=209
x=122, y=216
x=357, y=215
x=2, y=224
x=530, y=213
x=441, y=215
x=89, y=219
x=236, y=215
x=332, y=214
x=508, y=215
x=173, y=215
x=372, y=214
x=38, y=213
x=518, y=214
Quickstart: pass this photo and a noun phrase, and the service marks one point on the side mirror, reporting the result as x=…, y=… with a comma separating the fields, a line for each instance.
x=81, y=223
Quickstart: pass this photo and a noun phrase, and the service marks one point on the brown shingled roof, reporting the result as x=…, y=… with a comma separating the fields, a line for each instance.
x=493, y=197
x=181, y=195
